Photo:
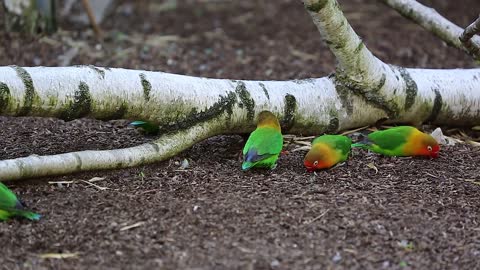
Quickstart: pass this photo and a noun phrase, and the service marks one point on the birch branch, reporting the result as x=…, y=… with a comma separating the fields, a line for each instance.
x=355, y=60
x=432, y=21
x=189, y=109
x=39, y=166
x=468, y=34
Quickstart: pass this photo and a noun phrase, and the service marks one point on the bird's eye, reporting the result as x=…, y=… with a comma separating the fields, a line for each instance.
x=429, y=148
x=315, y=163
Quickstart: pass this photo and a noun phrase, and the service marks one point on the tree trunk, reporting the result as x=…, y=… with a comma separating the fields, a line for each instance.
x=30, y=16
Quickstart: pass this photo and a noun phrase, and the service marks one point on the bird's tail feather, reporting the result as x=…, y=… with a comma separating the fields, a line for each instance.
x=360, y=145
x=30, y=215
x=147, y=127
x=246, y=165
x=363, y=141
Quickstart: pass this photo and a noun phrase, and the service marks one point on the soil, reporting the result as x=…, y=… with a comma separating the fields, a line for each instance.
x=372, y=212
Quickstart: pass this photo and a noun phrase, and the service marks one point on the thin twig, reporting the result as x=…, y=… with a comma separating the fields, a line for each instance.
x=353, y=130
x=94, y=185
x=60, y=182
x=302, y=148
x=466, y=38
x=91, y=17
x=129, y=227
x=316, y=218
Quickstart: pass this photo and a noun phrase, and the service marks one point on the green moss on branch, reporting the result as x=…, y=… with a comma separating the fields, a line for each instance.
x=30, y=94
x=80, y=106
x=316, y=6
x=289, y=112
x=4, y=96
x=147, y=86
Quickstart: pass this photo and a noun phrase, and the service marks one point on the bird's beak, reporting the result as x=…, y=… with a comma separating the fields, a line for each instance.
x=308, y=165
x=434, y=154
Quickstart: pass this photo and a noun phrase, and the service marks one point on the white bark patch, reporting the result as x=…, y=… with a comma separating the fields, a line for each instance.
x=173, y=97
x=16, y=6
x=432, y=21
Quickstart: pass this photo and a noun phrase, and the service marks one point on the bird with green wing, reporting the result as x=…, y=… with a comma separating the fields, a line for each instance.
x=400, y=141
x=327, y=151
x=11, y=206
x=264, y=144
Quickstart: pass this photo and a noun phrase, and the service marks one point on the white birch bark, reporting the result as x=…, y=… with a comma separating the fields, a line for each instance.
x=432, y=21
x=189, y=109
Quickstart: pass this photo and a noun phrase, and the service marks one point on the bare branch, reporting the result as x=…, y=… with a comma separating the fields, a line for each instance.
x=163, y=148
x=432, y=21
x=353, y=57
x=466, y=38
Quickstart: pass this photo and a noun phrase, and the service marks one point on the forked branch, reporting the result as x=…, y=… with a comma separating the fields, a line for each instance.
x=190, y=109
x=466, y=38
x=432, y=21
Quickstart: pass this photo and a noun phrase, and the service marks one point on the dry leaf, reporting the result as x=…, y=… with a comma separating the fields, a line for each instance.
x=372, y=166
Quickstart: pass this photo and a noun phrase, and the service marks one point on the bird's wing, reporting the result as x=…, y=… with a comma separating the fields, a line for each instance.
x=8, y=200
x=262, y=144
x=390, y=138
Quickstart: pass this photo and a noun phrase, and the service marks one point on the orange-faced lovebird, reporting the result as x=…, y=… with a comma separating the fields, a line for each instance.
x=10, y=206
x=264, y=144
x=326, y=151
x=401, y=141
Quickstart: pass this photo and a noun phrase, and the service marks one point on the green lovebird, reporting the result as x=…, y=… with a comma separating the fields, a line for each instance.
x=326, y=151
x=10, y=206
x=401, y=141
x=147, y=127
x=264, y=144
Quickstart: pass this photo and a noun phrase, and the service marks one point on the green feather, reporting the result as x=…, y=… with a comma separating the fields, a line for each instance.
x=147, y=127
x=360, y=145
x=262, y=148
x=338, y=142
x=391, y=138
x=10, y=206
x=388, y=142
x=8, y=200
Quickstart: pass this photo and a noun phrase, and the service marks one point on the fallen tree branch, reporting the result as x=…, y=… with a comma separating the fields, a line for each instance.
x=165, y=147
x=189, y=109
x=432, y=21
x=468, y=34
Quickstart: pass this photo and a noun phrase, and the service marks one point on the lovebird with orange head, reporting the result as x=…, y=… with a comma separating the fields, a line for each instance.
x=264, y=144
x=10, y=206
x=327, y=151
x=401, y=141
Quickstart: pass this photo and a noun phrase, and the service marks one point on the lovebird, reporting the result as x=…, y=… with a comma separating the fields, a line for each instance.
x=11, y=206
x=264, y=144
x=401, y=141
x=326, y=151
x=147, y=127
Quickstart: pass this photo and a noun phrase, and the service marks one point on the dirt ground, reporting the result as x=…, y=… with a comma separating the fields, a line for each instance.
x=411, y=214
